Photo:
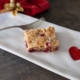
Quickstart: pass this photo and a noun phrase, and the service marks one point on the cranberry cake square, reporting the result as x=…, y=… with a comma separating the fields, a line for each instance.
x=41, y=39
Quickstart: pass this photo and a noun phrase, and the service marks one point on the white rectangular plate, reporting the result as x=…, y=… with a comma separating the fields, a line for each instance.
x=60, y=62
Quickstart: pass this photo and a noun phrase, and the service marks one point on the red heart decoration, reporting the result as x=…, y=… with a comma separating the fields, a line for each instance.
x=74, y=53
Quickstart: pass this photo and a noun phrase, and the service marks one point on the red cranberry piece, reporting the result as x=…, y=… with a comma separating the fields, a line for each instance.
x=41, y=34
x=47, y=44
x=56, y=48
x=47, y=49
x=31, y=50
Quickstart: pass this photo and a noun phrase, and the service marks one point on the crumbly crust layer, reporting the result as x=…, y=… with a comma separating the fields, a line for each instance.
x=41, y=39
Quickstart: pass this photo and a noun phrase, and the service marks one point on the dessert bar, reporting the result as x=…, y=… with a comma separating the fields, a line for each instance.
x=41, y=39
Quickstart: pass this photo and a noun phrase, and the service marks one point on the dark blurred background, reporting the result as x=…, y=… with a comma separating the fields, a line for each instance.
x=64, y=12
